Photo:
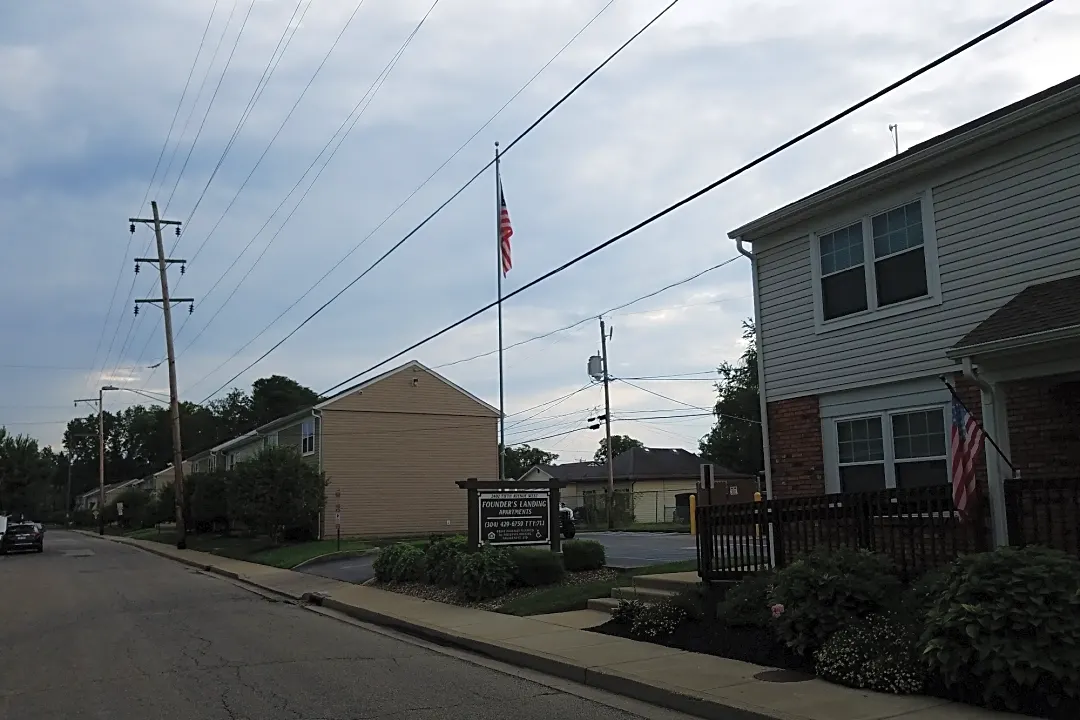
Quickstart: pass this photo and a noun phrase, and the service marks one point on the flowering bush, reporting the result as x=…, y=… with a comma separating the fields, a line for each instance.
x=1008, y=622
x=626, y=611
x=826, y=590
x=657, y=621
x=875, y=654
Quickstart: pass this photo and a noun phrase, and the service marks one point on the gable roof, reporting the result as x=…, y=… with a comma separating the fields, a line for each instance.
x=639, y=464
x=1032, y=313
x=411, y=364
x=986, y=131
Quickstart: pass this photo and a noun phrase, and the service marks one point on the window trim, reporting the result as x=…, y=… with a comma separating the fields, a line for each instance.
x=304, y=436
x=832, y=451
x=873, y=312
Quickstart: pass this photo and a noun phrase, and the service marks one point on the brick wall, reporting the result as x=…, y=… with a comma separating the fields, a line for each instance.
x=798, y=464
x=1044, y=427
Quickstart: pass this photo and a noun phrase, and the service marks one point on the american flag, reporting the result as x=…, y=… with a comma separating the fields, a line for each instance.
x=506, y=231
x=966, y=440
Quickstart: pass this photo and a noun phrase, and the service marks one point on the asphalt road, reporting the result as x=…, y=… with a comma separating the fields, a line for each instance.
x=95, y=629
x=355, y=569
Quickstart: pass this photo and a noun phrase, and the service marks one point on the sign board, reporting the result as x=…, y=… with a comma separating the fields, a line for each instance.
x=706, y=476
x=337, y=518
x=515, y=517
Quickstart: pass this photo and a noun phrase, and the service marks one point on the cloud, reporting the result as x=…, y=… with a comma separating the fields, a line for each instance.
x=87, y=104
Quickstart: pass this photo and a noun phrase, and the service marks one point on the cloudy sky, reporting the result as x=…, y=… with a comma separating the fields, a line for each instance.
x=89, y=90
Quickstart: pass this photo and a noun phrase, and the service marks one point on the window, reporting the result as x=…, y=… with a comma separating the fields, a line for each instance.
x=861, y=455
x=919, y=453
x=901, y=265
x=270, y=440
x=230, y=461
x=903, y=449
x=307, y=437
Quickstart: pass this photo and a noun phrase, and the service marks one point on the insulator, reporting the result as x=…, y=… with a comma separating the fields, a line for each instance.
x=177, y=231
x=191, y=308
x=136, y=309
x=136, y=268
x=132, y=228
x=183, y=268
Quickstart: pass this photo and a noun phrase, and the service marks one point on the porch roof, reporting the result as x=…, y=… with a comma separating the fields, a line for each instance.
x=1038, y=313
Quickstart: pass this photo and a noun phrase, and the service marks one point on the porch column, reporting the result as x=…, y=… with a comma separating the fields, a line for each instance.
x=996, y=423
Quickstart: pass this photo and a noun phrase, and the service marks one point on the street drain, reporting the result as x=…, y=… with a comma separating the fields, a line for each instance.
x=782, y=676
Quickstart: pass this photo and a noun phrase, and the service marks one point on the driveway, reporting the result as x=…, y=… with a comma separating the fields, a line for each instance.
x=636, y=549
x=355, y=569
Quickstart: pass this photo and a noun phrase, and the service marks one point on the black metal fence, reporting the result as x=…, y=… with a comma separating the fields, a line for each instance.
x=1044, y=511
x=917, y=527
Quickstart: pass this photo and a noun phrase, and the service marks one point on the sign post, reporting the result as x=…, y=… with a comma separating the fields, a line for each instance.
x=511, y=512
x=337, y=517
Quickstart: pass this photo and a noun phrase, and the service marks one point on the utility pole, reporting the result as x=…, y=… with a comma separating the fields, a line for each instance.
x=100, y=400
x=174, y=404
x=71, y=461
x=607, y=426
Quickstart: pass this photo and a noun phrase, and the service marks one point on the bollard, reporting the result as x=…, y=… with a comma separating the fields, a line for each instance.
x=693, y=514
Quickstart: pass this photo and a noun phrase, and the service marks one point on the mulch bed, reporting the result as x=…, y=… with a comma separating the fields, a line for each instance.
x=450, y=595
x=749, y=644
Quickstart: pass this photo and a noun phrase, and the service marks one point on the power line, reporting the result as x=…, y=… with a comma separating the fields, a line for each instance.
x=665, y=397
x=445, y=203
x=689, y=198
x=210, y=105
x=350, y=121
x=672, y=376
x=590, y=318
x=672, y=379
x=416, y=190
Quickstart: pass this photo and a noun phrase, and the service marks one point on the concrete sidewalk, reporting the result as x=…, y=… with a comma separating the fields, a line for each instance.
x=701, y=685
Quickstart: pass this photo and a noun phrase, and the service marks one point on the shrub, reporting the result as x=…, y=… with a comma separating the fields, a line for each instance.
x=657, y=621
x=484, y=574
x=408, y=564
x=389, y=560
x=534, y=567
x=923, y=593
x=1008, y=621
x=206, y=507
x=824, y=591
x=747, y=603
x=877, y=653
x=583, y=555
x=691, y=600
x=442, y=558
x=626, y=611
x=274, y=491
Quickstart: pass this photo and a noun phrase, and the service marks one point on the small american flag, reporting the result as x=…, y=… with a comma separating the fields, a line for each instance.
x=506, y=231
x=966, y=441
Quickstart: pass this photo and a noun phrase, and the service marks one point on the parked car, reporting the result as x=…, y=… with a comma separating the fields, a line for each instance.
x=22, y=535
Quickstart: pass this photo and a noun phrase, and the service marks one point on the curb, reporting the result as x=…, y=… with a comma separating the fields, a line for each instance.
x=670, y=699
x=336, y=555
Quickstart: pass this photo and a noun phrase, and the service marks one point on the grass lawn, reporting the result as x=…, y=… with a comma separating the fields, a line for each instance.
x=563, y=598
x=258, y=550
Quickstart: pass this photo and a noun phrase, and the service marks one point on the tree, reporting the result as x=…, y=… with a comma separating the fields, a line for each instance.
x=277, y=396
x=619, y=444
x=735, y=440
x=520, y=458
x=27, y=475
x=276, y=493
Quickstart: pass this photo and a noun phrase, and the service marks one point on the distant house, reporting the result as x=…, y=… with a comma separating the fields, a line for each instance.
x=658, y=482
x=91, y=498
x=392, y=448
x=958, y=259
x=154, y=483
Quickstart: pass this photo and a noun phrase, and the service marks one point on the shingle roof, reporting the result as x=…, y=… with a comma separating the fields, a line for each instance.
x=1048, y=306
x=639, y=464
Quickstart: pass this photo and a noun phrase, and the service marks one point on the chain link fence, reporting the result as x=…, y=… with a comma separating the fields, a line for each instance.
x=663, y=509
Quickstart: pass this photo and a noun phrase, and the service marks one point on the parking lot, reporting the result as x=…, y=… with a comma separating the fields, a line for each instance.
x=636, y=549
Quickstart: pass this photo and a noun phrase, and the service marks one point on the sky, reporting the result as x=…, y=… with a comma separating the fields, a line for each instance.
x=287, y=199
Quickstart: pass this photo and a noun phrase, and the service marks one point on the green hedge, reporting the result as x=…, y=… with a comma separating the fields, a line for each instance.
x=484, y=574
x=581, y=555
x=441, y=559
x=400, y=562
x=534, y=567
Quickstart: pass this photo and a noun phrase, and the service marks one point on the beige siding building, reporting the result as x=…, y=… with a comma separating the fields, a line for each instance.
x=392, y=448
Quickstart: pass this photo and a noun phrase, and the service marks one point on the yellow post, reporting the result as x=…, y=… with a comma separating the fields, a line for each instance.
x=693, y=514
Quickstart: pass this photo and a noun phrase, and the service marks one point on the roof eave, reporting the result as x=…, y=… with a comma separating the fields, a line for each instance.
x=1071, y=332
x=990, y=133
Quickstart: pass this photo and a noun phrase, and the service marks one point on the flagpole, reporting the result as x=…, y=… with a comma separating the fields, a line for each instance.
x=499, y=276
x=979, y=425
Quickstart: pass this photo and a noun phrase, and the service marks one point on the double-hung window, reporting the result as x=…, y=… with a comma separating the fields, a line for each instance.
x=902, y=449
x=876, y=263
x=307, y=437
x=270, y=440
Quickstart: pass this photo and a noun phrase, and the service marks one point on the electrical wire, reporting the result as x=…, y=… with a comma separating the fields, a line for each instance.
x=445, y=203
x=693, y=407
x=691, y=197
x=590, y=318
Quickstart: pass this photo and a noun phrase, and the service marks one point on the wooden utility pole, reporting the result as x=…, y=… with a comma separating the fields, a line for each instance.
x=101, y=451
x=174, y=403
x=607, y=427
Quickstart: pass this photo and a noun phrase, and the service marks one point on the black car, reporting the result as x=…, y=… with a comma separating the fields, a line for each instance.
x=22, y=536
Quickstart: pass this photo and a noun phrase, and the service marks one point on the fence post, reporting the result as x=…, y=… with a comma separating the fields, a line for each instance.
x=693, y=515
